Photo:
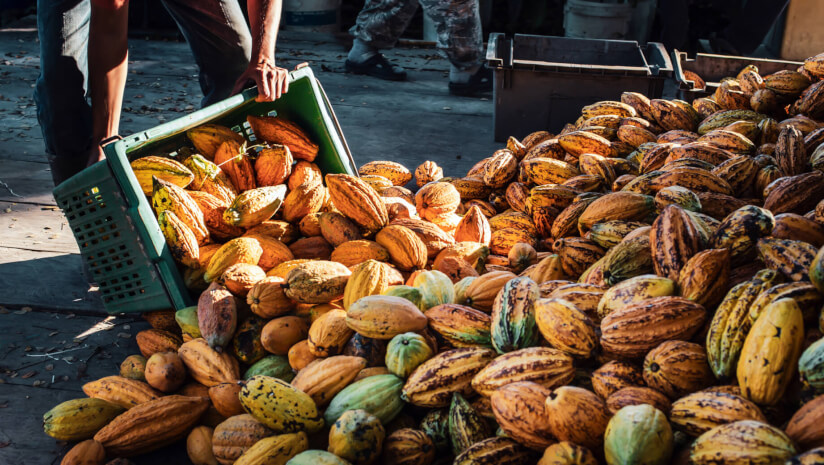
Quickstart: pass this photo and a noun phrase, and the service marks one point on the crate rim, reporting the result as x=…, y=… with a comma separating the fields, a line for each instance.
x=686, y=85
x=507, y=61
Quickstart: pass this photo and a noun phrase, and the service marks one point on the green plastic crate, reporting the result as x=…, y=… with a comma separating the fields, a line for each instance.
x=113, y=222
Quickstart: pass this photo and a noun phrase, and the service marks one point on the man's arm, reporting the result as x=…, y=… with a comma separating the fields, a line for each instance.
x=108, y=63
x=272, y=81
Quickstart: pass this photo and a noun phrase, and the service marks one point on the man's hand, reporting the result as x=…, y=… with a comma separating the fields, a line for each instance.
x=272, y=81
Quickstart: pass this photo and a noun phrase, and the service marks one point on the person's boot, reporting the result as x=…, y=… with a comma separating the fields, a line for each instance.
x=363, y=58
x=377, y=66
x=480, y=82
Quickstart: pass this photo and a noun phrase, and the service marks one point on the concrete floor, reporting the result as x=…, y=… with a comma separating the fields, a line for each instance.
x=45, y=303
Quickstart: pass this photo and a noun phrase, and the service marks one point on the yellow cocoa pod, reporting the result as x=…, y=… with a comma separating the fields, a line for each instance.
x=393, y=171
x=368, y=278
x=169, y=170
x=239, y=250
x=180, y=239
x=357, y=200
x=254, y=206
x=774, y=342
x=208, y=137
x=280, y=406
x=407, y=250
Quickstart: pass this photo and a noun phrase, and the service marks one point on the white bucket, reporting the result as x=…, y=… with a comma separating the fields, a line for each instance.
x=312, y=15
x=585, y=19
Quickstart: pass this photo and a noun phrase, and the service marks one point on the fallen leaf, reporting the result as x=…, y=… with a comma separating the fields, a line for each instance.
x=28, y=374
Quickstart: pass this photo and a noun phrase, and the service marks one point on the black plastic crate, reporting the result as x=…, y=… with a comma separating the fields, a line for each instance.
x=542, y=82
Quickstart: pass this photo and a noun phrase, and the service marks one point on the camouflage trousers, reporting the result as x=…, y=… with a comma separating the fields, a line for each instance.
x=458, y=23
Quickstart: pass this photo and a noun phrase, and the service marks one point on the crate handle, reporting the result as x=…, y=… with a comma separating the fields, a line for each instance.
x=337, y=127
x=109, y=140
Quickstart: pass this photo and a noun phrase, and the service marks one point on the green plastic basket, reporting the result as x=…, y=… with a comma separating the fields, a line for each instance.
x=113, y=222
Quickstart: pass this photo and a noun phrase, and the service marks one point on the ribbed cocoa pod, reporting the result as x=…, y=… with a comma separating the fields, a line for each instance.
x=151, y=425
x=731, y=323
x=744, y=441
x=705, y=277
x=577, y=415
x=565, y=223
x=729, y=140
x=278, y=130
x=407, y=250
x=805, y=425
x=704, y=410
x=699, y=150
x=497, y=450
x=273, y=165
x=796, y=227
x=304, y=172
x=304, y=200
x=790, y=258
x=473, y=227
x=614, y=376
x=520, y=410
x=207, y=366
x=427, y=172
x=674, y=240
x=740, y=231
x=795, y=194
x=617, y=206
x=577, y=254
x=695, y=179
x=740, y=172
x=637, y=395
x=433, y=382
x=790, y=152
x=483, y=290
x=634, y=330
x=548, y=367
x=766, y=350
x=233, y=160
x=629, y=258
x=677, y=368
x=465, y=425
x=358, y=201
x=565, y=327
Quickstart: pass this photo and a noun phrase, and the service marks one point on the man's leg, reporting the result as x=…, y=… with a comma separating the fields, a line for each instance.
x=379, y=25
x=219, y=37
x=62, y=110
x=458, y=24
